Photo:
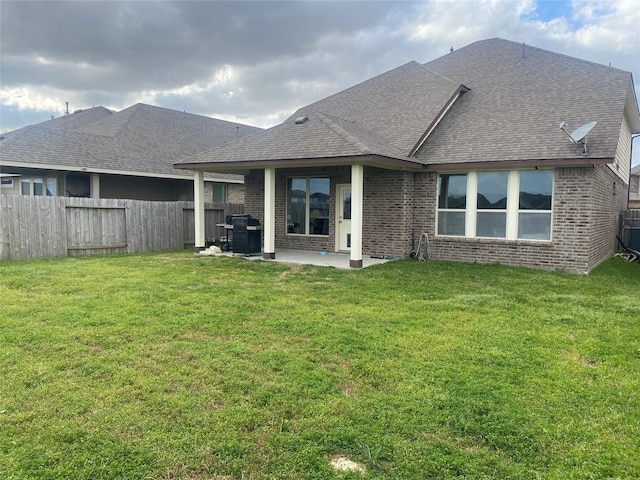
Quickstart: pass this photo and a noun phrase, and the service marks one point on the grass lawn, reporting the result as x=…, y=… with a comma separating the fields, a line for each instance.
x=173, y=366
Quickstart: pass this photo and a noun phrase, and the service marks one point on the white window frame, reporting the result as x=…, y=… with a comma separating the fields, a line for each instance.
x=45, y=183
x=513, y=207
x=8, y=182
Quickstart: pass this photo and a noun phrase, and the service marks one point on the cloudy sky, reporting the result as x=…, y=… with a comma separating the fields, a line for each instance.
x=255, y=62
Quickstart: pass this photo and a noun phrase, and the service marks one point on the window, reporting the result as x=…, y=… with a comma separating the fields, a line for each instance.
x=219, y=192
x=7, y=182
x=452, y=203
x=534, y=205
x=512, y=205
x=492, y=204
x=308, y=206
x=39, y=186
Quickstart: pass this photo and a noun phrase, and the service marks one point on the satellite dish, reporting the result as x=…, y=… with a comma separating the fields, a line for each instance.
x=579, y=135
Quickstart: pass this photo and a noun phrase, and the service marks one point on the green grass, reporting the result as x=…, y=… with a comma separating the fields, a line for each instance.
x=176, y=366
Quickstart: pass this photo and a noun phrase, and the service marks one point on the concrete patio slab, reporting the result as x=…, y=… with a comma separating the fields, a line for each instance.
x=306, y=257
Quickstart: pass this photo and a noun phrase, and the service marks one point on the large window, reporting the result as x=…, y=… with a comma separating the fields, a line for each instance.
x=512, y=205
x=308, y=206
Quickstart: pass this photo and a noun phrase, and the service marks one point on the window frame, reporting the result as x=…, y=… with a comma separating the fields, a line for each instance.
x=513, y=210
x=448, y=209
x=221, y=190
x=44, y=182
x=307, y=206
x=8, y=182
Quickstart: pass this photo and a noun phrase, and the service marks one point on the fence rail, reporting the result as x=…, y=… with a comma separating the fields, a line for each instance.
x=45, y=227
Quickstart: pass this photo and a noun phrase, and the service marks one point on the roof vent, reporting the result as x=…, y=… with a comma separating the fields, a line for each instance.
x=301, y=120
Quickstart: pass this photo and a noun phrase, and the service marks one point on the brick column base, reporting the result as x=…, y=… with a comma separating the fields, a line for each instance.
x=355, y=263
x=269, y=256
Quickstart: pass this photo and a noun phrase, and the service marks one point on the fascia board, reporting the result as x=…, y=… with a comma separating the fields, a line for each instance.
x=105, y=171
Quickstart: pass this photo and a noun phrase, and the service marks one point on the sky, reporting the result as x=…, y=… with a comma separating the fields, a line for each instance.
x=256, y=62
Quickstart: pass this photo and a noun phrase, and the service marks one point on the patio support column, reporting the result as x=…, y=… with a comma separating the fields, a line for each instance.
x=95, y=185
x=269, y=251
x=198, y=209
x=357, y=183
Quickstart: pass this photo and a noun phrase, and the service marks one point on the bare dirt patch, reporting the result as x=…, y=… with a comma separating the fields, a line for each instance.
x=342, y=463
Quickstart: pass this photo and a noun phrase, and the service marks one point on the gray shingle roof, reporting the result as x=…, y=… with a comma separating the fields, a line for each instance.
x=141, y=139
x=384, y=116
x=517, y=102
x=77, y=119
x=511, y=112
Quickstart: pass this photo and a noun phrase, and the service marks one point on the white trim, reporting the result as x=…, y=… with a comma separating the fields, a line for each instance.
x=357, y=200
x=513, y=207
x=106, y=171
x=198, y=208
x=471, y=212
x=513, y=203
x=339, y=229
x=269, y=210
x=95, y=185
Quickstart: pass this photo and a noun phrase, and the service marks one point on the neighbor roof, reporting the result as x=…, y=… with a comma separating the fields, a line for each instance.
x=141, y=140
x=494, y=100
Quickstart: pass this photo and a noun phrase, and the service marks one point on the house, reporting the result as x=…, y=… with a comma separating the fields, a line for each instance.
x=466, y=149
x=128, y=154
x=634, y=188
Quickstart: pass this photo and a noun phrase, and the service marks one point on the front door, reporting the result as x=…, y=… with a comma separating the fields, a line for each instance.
x=343, y=215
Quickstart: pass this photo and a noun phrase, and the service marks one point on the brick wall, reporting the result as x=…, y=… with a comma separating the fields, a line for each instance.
x=388, y=212
x=583, y=232
x=399, y=206
x=235, y=193
x=609, y=200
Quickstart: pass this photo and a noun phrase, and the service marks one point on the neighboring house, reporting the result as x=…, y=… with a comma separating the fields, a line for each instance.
x=128, y=154
x=466, y=148
x=634, y=188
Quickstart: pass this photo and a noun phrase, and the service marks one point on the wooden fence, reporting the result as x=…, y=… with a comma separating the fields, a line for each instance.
x=44, y=227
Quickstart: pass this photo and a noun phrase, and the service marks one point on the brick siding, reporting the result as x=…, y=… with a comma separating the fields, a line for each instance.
x=400, y=206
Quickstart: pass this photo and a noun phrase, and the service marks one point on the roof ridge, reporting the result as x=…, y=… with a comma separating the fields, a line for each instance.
x=351, y=137
x=543, y=50
x=136, y=107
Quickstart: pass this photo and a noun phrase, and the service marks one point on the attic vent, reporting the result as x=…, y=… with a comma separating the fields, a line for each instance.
x=301, y=120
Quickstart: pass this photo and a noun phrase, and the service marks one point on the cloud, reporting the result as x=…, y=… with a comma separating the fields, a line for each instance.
x=258, y=61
